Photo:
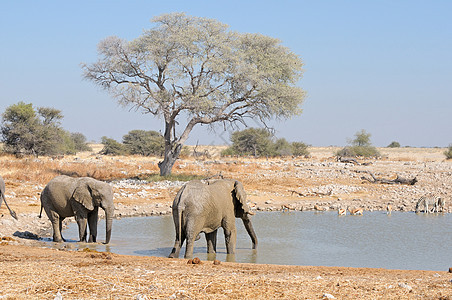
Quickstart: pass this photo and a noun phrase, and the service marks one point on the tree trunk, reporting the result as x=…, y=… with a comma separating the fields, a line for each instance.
x=171, y=155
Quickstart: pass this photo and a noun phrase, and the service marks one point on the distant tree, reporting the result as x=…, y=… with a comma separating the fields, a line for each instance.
x=282, y=147
x=19, y=129
x=448, y=152
x=80, y=143
x=196, y=69
x=260, y=142
x=299, y=149
x=26, y=131
x=251, y=141
x=145, y=143
x=394, y=145
x=362, y=139
x=112, y=147
x=360, y=146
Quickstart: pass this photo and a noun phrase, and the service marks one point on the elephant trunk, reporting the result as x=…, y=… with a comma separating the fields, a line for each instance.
x=108, y=223
x=250, y=230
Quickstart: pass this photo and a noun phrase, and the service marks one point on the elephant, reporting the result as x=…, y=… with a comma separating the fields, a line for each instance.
x=81, y=197
x=204, y=207
x=3, y=199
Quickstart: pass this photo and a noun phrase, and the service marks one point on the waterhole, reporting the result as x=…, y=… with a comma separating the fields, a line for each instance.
x=401, y=240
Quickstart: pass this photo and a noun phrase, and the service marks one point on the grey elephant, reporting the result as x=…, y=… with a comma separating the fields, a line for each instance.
x=205, y=207
x=3, y=199
x=66, y=196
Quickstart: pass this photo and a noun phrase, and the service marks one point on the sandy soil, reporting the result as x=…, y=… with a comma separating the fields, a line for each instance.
x=318, y=182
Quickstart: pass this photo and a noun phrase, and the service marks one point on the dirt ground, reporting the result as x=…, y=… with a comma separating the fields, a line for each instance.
x=30, y=271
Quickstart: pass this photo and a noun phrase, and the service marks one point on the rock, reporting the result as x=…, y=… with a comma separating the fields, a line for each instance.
x=405, y=286
x=216, y=262
x=328, y=296
x=26, y=235
x=58, y=296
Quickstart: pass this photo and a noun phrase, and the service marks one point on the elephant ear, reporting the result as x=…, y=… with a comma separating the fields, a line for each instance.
x=239, y=195
x=82, y=194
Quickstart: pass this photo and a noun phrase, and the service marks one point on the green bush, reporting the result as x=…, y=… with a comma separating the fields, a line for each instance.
x=448, y=152
x=144, y=143
x=299, y=149
x=360, y=146
x=112, y=147
x=259, y=142
x=80, y=143
x=282, y=147
x=252, y=141
x=394, y=145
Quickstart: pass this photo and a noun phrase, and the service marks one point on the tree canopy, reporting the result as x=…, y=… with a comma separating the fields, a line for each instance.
x=26, y=131
x=190, y=70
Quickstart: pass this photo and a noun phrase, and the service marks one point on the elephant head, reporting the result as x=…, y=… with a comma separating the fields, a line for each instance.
x=243, y=211
x=91, y=194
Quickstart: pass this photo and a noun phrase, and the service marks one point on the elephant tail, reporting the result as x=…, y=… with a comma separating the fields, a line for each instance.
x=40, y=213
x=11, y=212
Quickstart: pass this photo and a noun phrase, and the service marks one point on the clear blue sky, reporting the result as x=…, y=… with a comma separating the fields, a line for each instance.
x=382, y=66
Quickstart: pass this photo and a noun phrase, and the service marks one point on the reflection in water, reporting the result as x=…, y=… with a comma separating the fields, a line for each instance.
x=376, y=240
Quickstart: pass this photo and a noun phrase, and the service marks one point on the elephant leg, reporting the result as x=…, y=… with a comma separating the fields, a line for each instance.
x=92, y=223
x=81, y=222
x=60, y=225
x=192, y=231
x=230, y=235
x=56, y=221
x=211, y=242
x=177, y=245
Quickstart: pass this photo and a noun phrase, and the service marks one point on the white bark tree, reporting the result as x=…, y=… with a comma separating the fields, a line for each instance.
x=191, y=70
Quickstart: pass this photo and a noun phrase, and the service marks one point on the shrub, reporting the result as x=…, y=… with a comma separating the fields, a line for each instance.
x=144, y=143
x=346, y=152
x=361, y=146
x=299, y=149
x=394, y=145
x=448, y=152
x=259, y=142
x=112, y=147
x=282, y=147
x=80, y=143
x=252, y=141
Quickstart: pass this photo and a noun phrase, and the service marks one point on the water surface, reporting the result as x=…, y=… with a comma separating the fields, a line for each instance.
x=398, y=241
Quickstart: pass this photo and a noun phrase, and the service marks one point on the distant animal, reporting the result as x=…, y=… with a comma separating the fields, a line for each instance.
x=440, y=204
x=319, y=208
x=356, y=211
x=435, y=203
x=285, y=207
x=388, y=209
x=2, y=198
x=342, y=212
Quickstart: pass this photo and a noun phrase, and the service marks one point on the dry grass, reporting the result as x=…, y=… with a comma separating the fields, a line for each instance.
x=36, y=273
x=93, y=275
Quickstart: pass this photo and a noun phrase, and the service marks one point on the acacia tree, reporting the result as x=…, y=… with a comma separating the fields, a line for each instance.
x=190, y=70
